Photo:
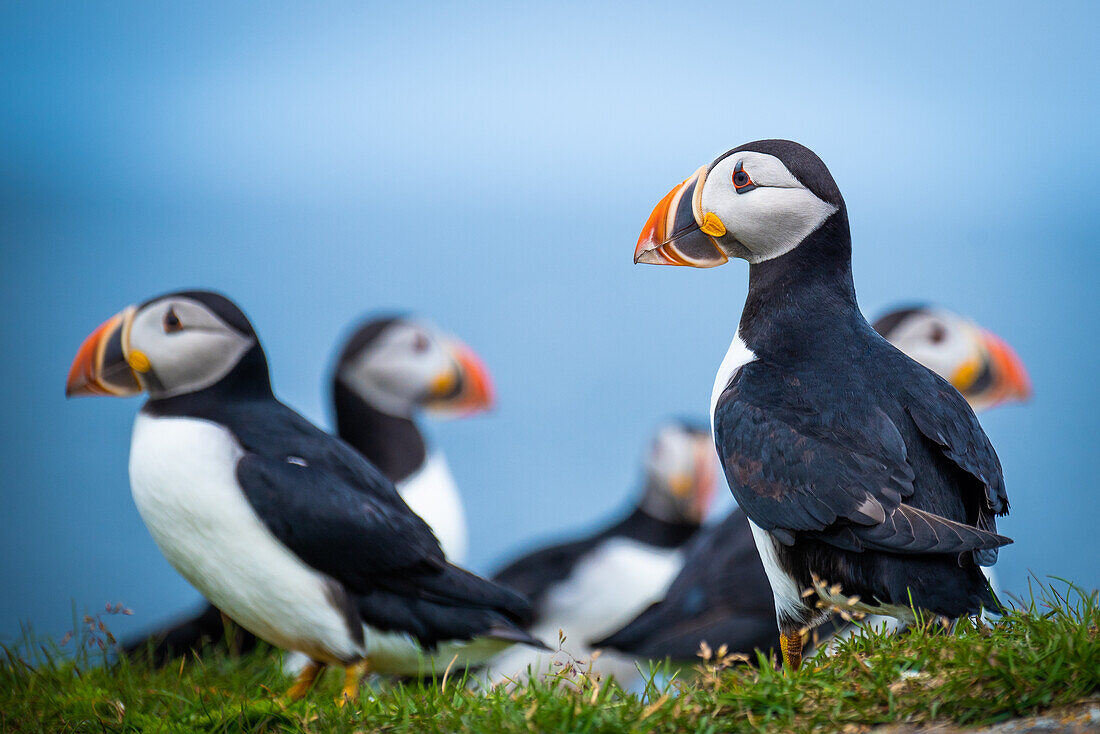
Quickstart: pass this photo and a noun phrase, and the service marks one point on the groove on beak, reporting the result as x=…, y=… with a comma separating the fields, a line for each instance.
x=100, y=366
x=672, y=234
x=705, y=480
x=1010, y=378
x=464, y=389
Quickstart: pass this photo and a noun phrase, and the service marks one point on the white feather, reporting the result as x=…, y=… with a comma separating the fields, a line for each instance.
x=785, y=591
x=737, y=356
x=433, y=495
x=183, y=479
x=607, y=589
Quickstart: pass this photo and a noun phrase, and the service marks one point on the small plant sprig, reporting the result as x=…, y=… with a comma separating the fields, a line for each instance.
x=92, y=632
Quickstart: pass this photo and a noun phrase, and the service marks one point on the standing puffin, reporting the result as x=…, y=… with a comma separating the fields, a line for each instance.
x=388, y=371
x=856, y=466
x=288, y=530
x=593, y=585
x=722, y=595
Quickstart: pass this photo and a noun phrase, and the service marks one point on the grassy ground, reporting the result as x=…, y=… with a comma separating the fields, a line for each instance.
x=1045, y=654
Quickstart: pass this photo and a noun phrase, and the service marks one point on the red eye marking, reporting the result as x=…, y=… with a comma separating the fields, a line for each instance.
x=742, y=182
x=938, y=333
x=172, y=322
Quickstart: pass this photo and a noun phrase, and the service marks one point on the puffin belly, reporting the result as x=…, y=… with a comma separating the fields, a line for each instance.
x=184, y=482
x=607, y=588
x=610, y=587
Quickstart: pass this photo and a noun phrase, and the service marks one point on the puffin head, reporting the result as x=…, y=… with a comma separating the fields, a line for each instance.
x=977, y=362
x=400, y=365
x=171, y=345
x=680, y=473
x=755, y=202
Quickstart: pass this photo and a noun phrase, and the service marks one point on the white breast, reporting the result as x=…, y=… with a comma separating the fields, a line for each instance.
x=183, y=478
x=737, y=356
x=607, y=589
x=433, y=495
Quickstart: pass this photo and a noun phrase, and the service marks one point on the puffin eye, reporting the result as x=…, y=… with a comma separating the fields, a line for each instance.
x=938, y=334
x=172, y=322
x=420, y=343
x=742, y=182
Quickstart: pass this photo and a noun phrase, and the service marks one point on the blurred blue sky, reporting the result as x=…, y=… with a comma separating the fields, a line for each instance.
x=490, y=166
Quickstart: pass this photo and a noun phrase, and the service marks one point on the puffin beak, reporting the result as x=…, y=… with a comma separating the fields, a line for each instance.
x=993, y=375
x=464, y=388
x=101, y=366
x=1010, y=378
x=678, y=233
x=704, y=476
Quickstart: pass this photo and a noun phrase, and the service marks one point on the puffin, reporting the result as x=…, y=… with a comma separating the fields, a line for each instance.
x=591, y=585
x=722, y=596
x=288, y=530
x=389, y=370
x=866, y=478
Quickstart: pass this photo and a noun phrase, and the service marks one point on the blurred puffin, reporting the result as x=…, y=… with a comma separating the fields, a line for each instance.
x=857, y=467
x=288, y=530
x=722, y=595
x=976, y=361
x=593, y=585
x=388, y=371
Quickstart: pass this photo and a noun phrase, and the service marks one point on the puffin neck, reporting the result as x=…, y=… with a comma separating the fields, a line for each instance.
x=641, y=526
x=799, y=295
x=247, y=381
x=392, y=443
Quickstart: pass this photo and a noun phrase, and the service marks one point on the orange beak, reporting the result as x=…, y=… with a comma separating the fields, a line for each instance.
x=1010, y=378
x=672, y=235
x=465, y=390
x=705, y=480
x=100, y=366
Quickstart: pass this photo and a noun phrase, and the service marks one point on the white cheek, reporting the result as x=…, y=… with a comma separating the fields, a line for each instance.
x=677, y=458
x=932, y=358
x=190, y=361
x=412, y=375
x=944, y=358
x=769, y=221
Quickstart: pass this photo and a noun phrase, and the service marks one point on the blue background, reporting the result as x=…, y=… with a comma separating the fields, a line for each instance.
x=490, y=166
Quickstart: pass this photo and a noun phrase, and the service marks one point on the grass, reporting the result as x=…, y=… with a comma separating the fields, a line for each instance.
x=1043, y=654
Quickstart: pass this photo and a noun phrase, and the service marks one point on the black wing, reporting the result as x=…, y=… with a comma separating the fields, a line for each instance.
x=943, y=417
x=358, y=537
x=842, y=478
x=341, y=516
